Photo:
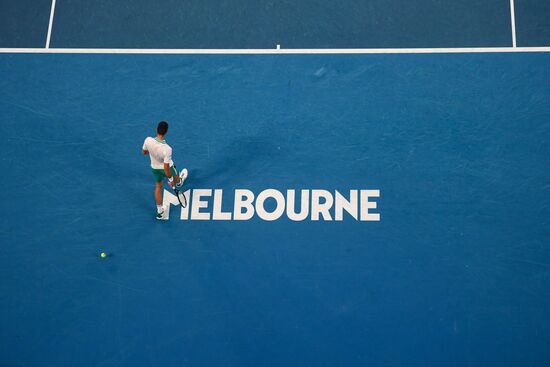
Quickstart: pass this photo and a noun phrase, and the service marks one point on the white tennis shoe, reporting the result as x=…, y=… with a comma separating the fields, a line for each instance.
x=161, y=216
x=183, y=175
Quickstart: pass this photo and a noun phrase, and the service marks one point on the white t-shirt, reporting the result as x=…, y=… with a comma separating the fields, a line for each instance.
x=159, y=151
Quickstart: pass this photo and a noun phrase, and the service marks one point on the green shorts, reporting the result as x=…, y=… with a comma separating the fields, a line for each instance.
x=160, y=175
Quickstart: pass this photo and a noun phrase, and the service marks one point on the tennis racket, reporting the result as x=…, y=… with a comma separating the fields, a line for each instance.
x=181, y=197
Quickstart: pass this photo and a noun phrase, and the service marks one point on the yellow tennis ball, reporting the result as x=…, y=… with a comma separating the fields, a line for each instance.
x=103, y=255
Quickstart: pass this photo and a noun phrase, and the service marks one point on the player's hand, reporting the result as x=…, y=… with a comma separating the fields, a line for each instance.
x=171, y=183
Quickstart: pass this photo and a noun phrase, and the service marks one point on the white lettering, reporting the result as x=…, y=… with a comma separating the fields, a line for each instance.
x=217, y=213
x=291, y=203
x=341, y=204
x=279, y=209
x=243, y=200
x=366, y=205
x=314, y=204
x=198, y=204
x=169, y=199
x=321, y=208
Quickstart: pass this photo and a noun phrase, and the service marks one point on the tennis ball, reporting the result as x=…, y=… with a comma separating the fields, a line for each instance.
x=103, y=255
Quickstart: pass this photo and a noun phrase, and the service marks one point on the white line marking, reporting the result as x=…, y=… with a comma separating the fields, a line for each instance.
x=275, y=51
x=513, y=21
x=52, y=12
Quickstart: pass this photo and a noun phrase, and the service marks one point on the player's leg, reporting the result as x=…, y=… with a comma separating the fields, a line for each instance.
x=158, y=193
x=159, y=187
x=158, y=175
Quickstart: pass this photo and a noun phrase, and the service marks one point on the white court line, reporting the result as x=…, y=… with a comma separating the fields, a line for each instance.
x=231, y=51
x=513, y=21
x=48, y=38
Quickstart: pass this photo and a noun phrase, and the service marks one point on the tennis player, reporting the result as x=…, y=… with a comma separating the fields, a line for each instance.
x=161, y=164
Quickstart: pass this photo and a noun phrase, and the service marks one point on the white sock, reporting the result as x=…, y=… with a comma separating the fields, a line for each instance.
x=160, y=209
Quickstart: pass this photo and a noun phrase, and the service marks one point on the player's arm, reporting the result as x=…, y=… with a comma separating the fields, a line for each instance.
x=168, y=173
x=167, y=170
x=144, y=150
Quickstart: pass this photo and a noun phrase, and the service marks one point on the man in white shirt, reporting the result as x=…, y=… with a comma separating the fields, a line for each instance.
x=161, y=164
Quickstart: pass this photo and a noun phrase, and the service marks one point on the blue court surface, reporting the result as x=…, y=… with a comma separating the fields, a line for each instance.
x=406, y=219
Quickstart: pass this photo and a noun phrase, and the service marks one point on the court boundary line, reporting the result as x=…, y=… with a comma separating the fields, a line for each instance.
x=50, y=25
x=513, y=22
x=275, y=51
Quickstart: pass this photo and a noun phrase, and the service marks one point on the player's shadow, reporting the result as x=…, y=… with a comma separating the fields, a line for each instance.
x=240, y=161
